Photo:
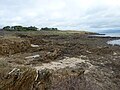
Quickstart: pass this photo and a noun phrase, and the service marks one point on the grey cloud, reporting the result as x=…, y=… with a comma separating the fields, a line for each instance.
x=65, y=14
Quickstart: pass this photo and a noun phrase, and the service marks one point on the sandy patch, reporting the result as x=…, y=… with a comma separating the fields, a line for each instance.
x=67, y=62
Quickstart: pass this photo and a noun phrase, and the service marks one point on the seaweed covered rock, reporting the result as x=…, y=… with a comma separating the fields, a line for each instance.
x=18, y=79
x=8, y=47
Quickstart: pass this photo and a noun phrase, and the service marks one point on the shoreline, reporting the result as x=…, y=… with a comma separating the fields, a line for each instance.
x=61, y=56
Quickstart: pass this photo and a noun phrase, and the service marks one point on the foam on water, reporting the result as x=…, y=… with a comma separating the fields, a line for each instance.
x=114, y=42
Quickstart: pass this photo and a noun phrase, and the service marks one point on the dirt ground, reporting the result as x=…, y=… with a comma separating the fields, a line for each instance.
x=38, y=50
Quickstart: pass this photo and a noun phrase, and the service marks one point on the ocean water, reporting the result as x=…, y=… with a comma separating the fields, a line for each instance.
x=113, y=42
x=112, y=34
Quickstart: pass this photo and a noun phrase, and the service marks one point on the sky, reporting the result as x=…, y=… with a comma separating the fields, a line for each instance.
x=63, y=14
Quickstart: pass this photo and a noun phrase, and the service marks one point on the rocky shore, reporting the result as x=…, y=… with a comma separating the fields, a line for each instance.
x=58, y=61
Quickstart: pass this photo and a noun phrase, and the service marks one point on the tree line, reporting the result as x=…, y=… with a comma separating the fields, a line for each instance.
x=49, y=29
x=31, y=28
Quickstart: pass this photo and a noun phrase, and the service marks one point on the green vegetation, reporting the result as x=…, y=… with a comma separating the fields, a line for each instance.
x=20, y=28
x=31, y=28
x=49, y=29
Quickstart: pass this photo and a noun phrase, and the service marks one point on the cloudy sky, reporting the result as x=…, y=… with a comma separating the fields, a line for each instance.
x=64, y=14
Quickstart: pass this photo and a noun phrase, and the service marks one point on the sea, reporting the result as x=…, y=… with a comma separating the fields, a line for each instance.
x=113, y=34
